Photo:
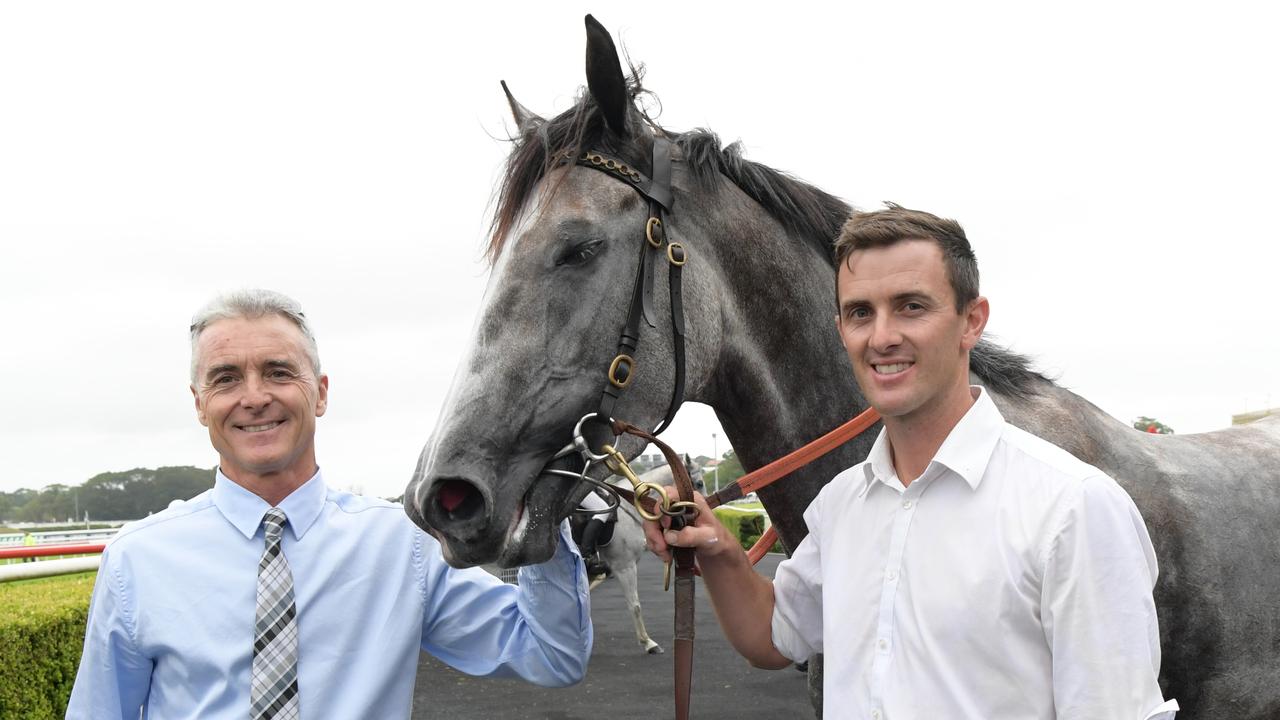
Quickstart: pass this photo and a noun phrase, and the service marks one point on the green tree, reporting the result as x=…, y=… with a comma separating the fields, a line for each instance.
x=52, y=504
x=729, y=470
x=125, y=495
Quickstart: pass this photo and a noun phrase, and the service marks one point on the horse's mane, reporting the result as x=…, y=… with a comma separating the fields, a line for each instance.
x=1004, y=371
x=804, y=210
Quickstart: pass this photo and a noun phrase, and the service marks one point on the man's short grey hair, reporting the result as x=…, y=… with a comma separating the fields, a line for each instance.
x=252, y=304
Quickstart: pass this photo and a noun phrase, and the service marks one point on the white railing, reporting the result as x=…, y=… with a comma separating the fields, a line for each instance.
x=49, y=568
x=59, y=537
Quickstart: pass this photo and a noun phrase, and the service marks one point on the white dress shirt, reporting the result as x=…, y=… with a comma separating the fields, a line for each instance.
x=1009, y=581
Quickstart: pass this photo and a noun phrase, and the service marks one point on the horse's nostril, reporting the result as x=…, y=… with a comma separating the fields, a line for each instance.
x=459, y=499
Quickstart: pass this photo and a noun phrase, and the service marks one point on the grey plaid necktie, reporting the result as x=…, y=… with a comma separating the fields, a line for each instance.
x=274, y=692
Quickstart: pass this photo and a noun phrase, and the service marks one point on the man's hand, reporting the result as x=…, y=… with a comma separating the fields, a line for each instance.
x=743, y=599
x=705, y=534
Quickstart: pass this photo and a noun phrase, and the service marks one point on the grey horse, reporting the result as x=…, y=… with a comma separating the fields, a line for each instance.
x=762, y=351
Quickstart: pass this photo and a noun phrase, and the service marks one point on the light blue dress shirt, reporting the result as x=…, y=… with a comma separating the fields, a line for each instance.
x=172, y=617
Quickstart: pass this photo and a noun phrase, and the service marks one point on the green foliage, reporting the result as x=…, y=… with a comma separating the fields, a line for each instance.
x=1152, y=425
x=746, y=526
x=41, y=636
x=109, y=496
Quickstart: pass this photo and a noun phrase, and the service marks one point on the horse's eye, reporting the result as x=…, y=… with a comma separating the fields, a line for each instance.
x=580, y=253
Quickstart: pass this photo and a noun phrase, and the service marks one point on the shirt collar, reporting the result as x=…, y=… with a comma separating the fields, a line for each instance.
x=244, y=509
x=966, y=451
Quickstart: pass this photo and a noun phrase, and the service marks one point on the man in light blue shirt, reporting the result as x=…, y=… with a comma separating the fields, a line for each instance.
x=177, y=609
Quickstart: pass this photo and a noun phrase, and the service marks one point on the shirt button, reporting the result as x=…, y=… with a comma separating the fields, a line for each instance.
x=906, y=504
x=882, y=644
x=891, y=575
x=875, y=715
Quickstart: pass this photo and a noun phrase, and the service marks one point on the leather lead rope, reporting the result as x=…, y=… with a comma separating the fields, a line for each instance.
x=765, y=476
x=685, y=570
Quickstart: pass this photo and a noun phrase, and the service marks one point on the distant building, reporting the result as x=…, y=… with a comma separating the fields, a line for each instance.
x=1246, y=418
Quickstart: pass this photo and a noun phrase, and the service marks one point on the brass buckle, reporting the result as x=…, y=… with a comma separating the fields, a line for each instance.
x=648, y=232
x=671, y=250
x=613, y=371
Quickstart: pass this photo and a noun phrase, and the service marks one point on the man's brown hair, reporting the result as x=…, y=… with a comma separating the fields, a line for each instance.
x=895, y=224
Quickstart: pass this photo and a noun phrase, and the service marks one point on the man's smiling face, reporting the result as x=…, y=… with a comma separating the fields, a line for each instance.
x=256, y=391
x=898, y=321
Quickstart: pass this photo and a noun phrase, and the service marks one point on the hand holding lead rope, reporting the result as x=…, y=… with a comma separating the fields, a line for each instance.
x=648, y=494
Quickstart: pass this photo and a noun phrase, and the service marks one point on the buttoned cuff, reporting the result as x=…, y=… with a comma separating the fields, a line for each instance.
x=563, y=563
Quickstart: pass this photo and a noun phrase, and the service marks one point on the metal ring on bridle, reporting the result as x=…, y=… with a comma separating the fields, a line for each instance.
x=648, y=232
x=681, y=508
x=613, y=501
x=580, y=442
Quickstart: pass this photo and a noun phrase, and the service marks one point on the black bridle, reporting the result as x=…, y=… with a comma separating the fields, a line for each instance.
x=601, y=427
x=657, y=191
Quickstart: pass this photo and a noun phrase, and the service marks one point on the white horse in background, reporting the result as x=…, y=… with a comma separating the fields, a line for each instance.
x=625, y=547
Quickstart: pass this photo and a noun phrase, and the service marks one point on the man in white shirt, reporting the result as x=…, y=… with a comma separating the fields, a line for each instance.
x=966, y=569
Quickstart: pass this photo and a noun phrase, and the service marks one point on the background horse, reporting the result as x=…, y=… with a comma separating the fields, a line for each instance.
x=762, y=351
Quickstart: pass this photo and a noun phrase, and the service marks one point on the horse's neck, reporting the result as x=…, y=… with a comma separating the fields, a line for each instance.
x=781, y=378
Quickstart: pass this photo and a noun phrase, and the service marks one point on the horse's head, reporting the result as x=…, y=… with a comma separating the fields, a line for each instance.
x=566, y=248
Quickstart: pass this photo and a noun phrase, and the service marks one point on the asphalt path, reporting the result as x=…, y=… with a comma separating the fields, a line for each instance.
x=623, y=683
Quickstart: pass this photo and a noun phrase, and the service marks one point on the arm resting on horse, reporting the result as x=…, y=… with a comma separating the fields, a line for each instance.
x=539, y=630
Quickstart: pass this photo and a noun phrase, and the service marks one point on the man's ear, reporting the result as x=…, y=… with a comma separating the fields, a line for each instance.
x=975, y=321
x=200, y=415
x=322, y=400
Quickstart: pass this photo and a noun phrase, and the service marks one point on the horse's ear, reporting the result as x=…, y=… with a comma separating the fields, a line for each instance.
x=605, y=79
x=524, y=119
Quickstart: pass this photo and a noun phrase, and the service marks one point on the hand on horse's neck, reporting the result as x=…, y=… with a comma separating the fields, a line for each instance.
x=914, y=441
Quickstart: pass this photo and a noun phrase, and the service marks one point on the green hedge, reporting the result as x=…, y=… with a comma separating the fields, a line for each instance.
x=747, y=526
x=41, y=635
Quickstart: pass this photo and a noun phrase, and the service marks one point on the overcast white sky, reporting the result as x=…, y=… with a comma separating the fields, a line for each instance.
x=1115, y=165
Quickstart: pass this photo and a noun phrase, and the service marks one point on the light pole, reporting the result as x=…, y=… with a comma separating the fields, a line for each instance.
x=716, y=456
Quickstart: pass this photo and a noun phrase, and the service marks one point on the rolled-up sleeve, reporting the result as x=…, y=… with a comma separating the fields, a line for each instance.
x=539, y=630
x=797, y=596
x=114, y=678
x=1097, y=609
